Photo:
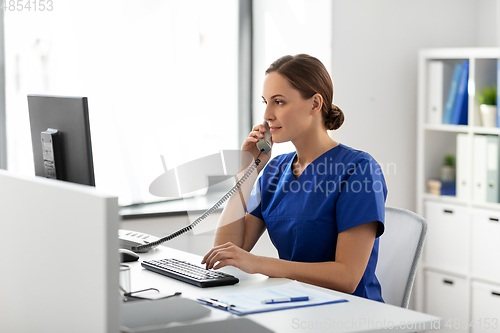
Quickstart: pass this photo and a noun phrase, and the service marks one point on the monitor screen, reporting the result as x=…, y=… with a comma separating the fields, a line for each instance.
x=60, y=137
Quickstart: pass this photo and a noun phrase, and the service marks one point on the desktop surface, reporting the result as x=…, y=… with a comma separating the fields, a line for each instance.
x=356, y=315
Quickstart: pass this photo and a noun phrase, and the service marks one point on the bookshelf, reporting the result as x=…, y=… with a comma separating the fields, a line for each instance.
x=459, y=275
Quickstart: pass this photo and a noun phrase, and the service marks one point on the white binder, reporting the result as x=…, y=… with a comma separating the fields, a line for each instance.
x=479, y=178
x=463, y=166
x=438, y=81
x=492, y=191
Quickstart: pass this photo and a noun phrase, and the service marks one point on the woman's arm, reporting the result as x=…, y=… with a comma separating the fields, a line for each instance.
x=354, y=247
x=254, y=228
x=235, y=225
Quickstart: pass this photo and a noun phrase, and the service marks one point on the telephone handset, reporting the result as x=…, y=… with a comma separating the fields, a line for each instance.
x=265, y=144
x=142, y=243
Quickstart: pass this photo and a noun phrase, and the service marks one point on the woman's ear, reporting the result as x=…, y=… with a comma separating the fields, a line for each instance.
x=317, y=103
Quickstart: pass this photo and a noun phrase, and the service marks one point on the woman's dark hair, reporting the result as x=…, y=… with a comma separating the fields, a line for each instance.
x=309, y=76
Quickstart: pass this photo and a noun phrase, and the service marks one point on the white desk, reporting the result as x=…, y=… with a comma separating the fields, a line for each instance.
x=357, y=315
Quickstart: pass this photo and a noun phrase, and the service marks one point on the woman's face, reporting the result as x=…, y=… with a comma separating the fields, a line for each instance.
x=287, y=113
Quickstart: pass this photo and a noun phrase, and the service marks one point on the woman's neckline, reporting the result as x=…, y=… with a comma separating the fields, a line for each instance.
x=292, y=162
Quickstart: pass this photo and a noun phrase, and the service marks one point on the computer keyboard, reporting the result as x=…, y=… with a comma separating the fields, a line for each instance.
x=189, y=273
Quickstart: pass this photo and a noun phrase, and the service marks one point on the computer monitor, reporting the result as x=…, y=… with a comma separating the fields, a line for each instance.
x=58, y=276
x=60, y=137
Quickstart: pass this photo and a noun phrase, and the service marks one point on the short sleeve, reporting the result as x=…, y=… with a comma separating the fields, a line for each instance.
x=254, y=204
x=362, y=196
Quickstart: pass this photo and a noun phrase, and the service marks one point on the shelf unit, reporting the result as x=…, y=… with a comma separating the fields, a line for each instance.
x=459, y=275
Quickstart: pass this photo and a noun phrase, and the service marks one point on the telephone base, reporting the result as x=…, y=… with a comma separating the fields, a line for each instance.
x=130, y=240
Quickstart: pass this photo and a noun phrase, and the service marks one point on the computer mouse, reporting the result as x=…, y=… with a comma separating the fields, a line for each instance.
x=127, y=255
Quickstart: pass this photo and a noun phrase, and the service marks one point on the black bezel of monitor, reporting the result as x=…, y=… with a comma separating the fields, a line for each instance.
x=70, y=116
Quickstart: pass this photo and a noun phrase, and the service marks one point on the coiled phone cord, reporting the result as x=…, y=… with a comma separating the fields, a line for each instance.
x=228, y=195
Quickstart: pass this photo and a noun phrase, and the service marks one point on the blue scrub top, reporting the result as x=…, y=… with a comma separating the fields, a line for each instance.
x=341, y=189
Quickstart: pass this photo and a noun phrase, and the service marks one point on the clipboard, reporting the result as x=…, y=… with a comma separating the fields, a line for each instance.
x=249, y=302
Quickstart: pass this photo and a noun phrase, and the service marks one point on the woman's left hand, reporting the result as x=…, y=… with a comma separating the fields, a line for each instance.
x=229, y=254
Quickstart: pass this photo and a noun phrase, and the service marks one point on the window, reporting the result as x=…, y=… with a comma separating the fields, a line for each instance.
x=161, y=78
x=288, y=27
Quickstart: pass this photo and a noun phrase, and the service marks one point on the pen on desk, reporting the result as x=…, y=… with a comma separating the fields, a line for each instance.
x=216, y=303
x=285, y=300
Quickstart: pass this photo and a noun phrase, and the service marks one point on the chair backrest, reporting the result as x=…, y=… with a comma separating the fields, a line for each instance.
x=400, y=247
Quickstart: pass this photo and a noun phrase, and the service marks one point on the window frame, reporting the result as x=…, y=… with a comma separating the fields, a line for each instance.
x=3, y=122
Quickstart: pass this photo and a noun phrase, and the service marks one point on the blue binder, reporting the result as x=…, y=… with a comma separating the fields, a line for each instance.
x=461, y=104
x=451, y=94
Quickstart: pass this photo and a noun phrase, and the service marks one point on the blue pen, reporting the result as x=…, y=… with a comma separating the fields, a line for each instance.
x=285, y=300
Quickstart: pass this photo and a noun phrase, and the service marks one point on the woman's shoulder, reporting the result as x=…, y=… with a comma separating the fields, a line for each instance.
x=356, y=156
x=282, y=158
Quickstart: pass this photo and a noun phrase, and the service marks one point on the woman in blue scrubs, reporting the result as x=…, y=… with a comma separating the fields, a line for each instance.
x=322, y=205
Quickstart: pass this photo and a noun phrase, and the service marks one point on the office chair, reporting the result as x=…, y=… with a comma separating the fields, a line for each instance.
x=400, y=247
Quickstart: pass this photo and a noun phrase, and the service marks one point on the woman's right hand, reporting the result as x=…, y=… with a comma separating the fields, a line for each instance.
x=249, y=145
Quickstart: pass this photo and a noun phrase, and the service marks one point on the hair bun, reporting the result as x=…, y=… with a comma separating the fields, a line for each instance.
x=334, y=118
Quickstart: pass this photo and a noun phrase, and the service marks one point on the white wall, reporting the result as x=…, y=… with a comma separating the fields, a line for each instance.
x=375, y=47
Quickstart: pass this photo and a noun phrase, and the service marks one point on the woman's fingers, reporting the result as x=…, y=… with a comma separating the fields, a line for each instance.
x=256, y=134
x=211, y=257
x=204, y=260
x=210, y=260
x=230, y=255
x=225, y=262
x=216, y=256
x=220, y=255
x=211, y=252
x=259, y=127
x=251, y=139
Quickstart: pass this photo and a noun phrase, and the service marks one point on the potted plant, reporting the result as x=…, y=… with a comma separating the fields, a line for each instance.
x=488, y=101
x=448, y=168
